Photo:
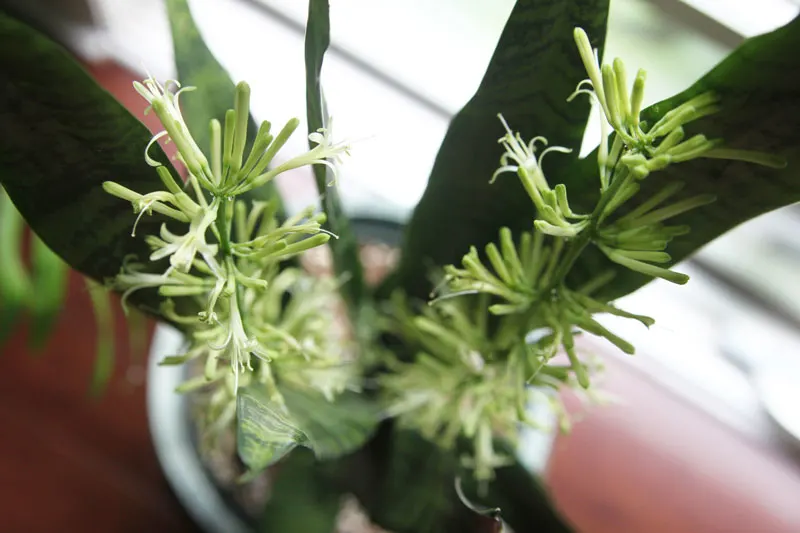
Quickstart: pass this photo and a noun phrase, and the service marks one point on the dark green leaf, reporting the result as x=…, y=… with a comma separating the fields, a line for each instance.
x=758, y=84
x=63, y=136
x=345, y=249
x=523, y=501
x=198, y=67
x=336, y=428
x=265, y=430
x=303, y=497
x=416, y=492
x=533, y=70
x=407, y=485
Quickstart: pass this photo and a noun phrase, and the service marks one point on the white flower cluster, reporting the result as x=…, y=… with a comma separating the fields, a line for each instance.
x=473, y=376
x=223, y=262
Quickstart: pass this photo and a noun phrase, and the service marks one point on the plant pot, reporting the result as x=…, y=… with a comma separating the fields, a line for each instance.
x=175, y=435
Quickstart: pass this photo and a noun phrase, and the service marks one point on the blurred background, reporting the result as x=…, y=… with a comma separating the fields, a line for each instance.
x=697, y=442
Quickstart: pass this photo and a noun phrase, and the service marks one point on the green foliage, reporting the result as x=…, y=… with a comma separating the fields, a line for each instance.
x=214, y=91
x=49, y=288
x=407, y=485
x=345, y=248
x=273, y=326
x=63, y=136
x=304, y=497
x=41, y=293
x=461, y=362
x=15, y=284
x=754, y=87
x=333, y=428
x=104, y=343
x=265, y=432
x=414, y=493
x=269, y=428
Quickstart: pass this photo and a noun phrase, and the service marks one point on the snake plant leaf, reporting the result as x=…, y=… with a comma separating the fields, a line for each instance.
x=268, y=430
x=758, y=85
x=523, y=500
x=534, y=68
x=333, y=428
x=214, y=94
x=415, y=491
x=197, y=67
x=265, y=431
x=304, y=497
x=15, y=283
x=345, y=248
x=63, y=135
x=407, y=485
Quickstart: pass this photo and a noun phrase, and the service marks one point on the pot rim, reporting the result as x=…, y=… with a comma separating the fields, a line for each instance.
x=174, y=443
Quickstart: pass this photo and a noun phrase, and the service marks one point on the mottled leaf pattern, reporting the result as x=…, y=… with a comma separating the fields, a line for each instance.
x=268, y=430
x=265, y=430
x=63, y=136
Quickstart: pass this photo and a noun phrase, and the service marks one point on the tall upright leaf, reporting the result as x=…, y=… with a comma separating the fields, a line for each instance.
x=523, y=501
x=533, y=70
x=407, y=485
x=105, y=348
x=215, y=90
x=63, y=135
x=50, y=275
x=345, y=248
x=304, y=497
x=15, y=283
x=758, y=85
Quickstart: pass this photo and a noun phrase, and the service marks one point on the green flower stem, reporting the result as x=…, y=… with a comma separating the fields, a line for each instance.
x=578, y=244
x=224, y=229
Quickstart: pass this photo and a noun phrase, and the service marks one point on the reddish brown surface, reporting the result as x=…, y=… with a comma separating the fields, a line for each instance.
x=658, y=465
x=70, y=463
